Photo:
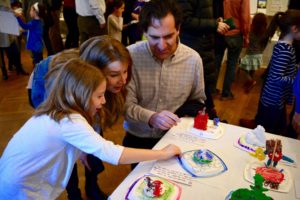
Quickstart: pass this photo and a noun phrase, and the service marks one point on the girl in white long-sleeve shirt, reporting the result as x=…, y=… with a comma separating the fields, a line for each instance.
x=38, y=160
x=115, y=19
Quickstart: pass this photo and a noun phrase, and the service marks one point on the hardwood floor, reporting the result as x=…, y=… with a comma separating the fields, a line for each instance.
x=15, y=110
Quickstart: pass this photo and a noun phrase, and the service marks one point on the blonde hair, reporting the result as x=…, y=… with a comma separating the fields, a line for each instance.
x=72, y=91
x=100, y=51
x=57, y=61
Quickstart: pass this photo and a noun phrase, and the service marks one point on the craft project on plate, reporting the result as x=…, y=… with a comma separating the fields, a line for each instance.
x=153, y=187
x=277, y=179
x=203, y=127
x=255, y=143
x=202, y=163
x=252, y=140
x=255, y=192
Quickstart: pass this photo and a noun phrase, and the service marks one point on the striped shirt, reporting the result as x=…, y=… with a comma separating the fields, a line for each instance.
x=277, y=90
x=156, y=86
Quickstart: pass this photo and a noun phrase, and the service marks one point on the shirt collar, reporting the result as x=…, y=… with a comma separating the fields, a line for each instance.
x=170, y=58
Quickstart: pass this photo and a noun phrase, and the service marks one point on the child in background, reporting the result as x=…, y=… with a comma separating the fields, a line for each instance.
x=115, y=19
x=38, y=160
x=258, y=40
x=37, y=92
x=277, y=89
x=35, y=31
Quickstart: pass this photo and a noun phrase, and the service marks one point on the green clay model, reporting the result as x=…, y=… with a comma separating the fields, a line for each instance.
x=256, y=192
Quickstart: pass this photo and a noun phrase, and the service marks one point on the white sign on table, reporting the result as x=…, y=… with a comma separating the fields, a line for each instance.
x=170, y=169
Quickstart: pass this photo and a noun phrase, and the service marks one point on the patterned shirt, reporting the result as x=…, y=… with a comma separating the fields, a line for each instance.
x=156, y=86
x=277, y=90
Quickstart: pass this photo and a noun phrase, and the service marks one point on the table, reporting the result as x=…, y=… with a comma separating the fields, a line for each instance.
x=216, y=187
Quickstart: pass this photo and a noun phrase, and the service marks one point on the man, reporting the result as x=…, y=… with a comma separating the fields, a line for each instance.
x=166, y=74
x=235, y=39
x=198, y=32
x=91, y=20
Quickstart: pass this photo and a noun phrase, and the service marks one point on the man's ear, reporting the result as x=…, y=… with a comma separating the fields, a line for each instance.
x=179, y=28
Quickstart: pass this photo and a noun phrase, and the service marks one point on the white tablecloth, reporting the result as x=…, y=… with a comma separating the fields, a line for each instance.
x=219, y=186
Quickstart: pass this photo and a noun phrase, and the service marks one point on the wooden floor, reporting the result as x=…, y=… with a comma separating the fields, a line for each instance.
x=15, y=110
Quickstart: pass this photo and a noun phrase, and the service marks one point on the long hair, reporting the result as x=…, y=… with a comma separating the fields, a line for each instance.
x=259, y=24
x=100, y=51
x=284, y=20
x=72, y=91
x=57, y=61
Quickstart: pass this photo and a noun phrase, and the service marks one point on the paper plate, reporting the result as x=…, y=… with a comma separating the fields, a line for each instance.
x=212, y=132
x=284, y=186
x=197, y=169
x=136, y=190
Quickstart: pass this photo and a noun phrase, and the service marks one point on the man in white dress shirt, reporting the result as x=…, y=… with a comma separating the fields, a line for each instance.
x=91, y=20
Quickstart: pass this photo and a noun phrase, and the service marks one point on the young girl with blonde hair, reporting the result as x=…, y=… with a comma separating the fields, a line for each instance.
x=38, y=160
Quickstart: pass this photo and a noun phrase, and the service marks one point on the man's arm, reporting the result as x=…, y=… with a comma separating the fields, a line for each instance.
x=198, y=92
x=194, y=23
x=98, y=8
x=163, y=120
x=133, y=111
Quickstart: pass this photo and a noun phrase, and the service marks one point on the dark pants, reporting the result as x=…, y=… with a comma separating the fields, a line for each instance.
x=138, y=142
x=89, y=27
x=91, y=186
x=14, y=58
x=3, y=67
x=272, y=118
x=234, y=46
x=131, y=34
x=47, y=41
x=37, y=57
x=70, y=17
x=290, y=130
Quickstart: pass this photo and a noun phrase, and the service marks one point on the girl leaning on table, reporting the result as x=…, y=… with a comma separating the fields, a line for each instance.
x=38, y=160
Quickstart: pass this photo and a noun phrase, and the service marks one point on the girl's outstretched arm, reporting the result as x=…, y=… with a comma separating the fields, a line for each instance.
x=132, y=155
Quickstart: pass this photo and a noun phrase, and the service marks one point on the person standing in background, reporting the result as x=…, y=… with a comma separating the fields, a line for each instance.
x=35, y=31
x=91, y=21
x=235, y=39
x=197, y=32
x=54, y=30
x=115, y=19
x=70, y=16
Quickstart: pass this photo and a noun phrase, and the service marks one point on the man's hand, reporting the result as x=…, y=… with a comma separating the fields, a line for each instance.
x=102, y=26
x=296, y=123
x=164, y=120
x=222, y=28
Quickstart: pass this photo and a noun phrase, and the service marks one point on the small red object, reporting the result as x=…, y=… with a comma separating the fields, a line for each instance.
x=200, y=121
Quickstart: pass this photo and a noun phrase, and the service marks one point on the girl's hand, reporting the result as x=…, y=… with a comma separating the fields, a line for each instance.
x=170, y=151
x=84, y=161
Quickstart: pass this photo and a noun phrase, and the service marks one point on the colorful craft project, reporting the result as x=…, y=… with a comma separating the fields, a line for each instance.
x=151, y=187
x=276, y=179
x=255, y=192
x=202, y=163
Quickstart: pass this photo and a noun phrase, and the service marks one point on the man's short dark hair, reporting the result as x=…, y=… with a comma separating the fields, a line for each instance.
x=158, y=9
